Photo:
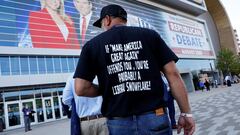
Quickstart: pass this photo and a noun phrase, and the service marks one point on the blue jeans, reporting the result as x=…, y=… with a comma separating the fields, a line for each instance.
x=148, y=124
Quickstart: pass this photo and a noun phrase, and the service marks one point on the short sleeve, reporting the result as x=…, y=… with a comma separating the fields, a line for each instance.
x=85, y=68
x=163, y=53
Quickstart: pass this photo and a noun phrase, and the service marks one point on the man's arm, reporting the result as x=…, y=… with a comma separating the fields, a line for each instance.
x=85, y=88
x=177, y=86
x=179, y=92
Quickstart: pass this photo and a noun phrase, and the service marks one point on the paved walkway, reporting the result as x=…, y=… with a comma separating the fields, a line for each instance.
x=60, y=127
x=217, y=112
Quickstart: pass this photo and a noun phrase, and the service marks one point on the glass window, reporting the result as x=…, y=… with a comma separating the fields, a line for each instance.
x=11, y=96
x=47, y=92
x=64, y=64
x=33, y=65
x=71, y=64
x=15, y=68
x=1, y=95
x=55, y=92
x=60, y=91
x=27, y=94
x=41, y=65
x=24, y=65
x=38, y=93
x=49, y=62
x=76, y=61
x=57, y=65
x=4, y=65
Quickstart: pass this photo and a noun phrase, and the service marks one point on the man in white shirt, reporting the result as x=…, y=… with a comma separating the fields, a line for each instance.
x=88, y=109
x=84, y=30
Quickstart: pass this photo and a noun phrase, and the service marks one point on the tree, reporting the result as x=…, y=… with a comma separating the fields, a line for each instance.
x=236, y=66
x=228, y=62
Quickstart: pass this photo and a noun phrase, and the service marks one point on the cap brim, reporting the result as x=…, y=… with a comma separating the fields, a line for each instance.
x=98, y=23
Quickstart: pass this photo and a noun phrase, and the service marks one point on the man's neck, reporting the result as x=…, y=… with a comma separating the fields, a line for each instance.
x=117, y=24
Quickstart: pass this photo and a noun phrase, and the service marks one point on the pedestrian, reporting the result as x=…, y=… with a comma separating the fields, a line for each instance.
x=26, y=114
x=216, y=83
x=201, y=85
x=207, y=85
x=127, y=61
x=170, y=103
x=91, y=121
x=228, y=80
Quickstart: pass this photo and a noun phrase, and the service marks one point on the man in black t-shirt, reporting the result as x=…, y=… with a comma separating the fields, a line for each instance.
x=127, y=62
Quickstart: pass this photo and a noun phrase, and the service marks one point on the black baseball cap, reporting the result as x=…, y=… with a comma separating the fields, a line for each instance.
x=111, y=10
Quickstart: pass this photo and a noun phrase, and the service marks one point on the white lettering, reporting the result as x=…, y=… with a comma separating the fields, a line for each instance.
x=141, y=64
x=127, y=65
x=127, y=76
x=115, y=68
x=136, y=45
x=116, y=47
x=118, y=89
x=138, y=86
x=131, y=55
x=115, y=57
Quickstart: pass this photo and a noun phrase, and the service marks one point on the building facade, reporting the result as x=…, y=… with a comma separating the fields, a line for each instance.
x=37, y=54
x=237, y=41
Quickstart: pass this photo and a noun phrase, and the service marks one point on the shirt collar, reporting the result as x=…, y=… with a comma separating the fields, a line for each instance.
x=88, y=16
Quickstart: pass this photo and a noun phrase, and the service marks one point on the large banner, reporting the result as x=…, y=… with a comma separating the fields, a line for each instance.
x=67, y=24
x=187, y=38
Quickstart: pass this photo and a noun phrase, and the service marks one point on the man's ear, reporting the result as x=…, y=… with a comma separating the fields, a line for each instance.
x=109, y=20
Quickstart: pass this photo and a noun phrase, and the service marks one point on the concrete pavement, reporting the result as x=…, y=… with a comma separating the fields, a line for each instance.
x=60, y=127
x=217, y=112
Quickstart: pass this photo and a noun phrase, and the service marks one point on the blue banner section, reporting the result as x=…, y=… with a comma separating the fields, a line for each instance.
x=67, y=24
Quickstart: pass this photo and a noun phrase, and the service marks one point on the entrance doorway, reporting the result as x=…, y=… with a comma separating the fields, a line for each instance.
x=13, y=117
x=32, y=106
x=48, y=109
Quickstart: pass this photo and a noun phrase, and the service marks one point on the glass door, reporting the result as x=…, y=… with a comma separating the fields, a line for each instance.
x=12, y=111
x=56, y=108
x=32, y=106
x=48, y=109
x=39, y=110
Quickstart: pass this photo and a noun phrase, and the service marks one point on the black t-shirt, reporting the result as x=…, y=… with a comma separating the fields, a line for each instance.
x=127, y=62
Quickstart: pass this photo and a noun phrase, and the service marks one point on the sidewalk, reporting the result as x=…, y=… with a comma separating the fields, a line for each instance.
x=216, y=112
x=60, y=127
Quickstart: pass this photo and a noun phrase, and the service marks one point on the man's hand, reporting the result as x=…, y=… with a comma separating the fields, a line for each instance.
x=188, y=125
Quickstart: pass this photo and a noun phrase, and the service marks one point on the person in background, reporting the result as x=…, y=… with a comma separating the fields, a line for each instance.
x=88, y=110
x=26, y=114
x=83, y=19
x=216, y=83
x=201, y=85
x=228, y=80
x=207, y=85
